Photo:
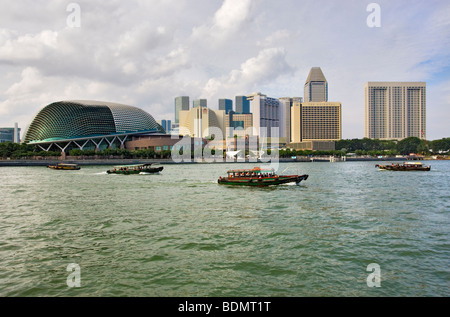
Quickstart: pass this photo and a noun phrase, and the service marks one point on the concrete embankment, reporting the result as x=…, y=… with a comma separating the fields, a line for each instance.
x=81, y=162
x=115, y=162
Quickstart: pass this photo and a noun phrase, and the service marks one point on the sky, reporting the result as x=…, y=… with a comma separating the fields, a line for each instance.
x=145, y=53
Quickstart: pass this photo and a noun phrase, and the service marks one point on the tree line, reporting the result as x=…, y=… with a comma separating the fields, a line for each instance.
x=364, y=146
x=391, y=147
x=15, y=151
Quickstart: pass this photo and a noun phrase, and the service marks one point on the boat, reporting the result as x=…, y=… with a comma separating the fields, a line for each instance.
x=406, y=166
x=65, y=166
x=136, y=169
x=258, y=177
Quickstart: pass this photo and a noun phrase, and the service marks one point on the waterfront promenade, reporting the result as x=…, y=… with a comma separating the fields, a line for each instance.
x=120, y=161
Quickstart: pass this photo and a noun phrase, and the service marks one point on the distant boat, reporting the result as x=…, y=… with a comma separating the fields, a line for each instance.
x=259, y=177
x=135, y=169
x=65, y=166
x=407, y=166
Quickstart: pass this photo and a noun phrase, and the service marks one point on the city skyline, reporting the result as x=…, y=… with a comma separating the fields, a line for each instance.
x=146, y=54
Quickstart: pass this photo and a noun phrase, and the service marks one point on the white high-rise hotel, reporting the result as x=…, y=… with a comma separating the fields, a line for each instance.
x=267, y=114
x=395, y=110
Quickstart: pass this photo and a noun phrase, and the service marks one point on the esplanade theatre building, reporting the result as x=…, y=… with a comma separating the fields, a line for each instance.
x=84, y=125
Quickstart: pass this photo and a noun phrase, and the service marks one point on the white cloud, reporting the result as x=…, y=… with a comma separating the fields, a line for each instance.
x=230, y=19
x=17, y=48
x=232, y=14
x=31, y=82
x=279, y=36
x=267, y=66
x=147, y=52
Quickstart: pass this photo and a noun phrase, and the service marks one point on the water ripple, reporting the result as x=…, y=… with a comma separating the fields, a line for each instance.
x=182, y=234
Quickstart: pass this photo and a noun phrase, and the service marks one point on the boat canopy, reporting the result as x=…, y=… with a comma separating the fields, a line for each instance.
x=133, y=166
x=256, y=170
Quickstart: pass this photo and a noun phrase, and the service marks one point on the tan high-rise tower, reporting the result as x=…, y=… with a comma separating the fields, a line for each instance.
x=316, y=86
x=316, y=121
x=395, y=110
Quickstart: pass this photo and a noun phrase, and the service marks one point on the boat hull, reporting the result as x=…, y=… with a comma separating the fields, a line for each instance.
x=64, y=168
x=403, y=168
x=152, y=170
x=260, y=182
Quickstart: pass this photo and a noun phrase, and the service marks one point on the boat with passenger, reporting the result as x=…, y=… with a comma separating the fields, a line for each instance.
x=65, y=167
x=258, y=177
x=136, y=169
x=406, y=166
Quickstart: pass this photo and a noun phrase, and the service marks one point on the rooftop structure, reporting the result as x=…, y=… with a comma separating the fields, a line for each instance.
x=316, y=86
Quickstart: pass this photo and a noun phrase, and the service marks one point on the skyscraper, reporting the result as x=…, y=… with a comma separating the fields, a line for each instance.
x=316, y=121
x=166, y=125
x=285, y=120
x=316, y=86
x=242, y=104
x=395, y=110
x=226, y=104
x=181, y=104
x=10, y=134
x=200, y=103
x=266, y=115
x=200, y=122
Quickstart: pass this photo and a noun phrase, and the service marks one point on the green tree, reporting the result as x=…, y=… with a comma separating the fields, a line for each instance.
x=411, y=145
x=75, y=152
x=442, y=145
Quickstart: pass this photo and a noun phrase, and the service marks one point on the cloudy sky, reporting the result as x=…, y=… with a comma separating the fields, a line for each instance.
x=147, y=52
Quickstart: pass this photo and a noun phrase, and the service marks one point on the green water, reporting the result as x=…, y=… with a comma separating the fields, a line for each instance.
x=181, y=234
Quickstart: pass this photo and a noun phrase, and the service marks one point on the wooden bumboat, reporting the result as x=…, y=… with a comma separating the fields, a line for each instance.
x=406, y=166
x=259, y=177
x=65, y=167
x=135, y=169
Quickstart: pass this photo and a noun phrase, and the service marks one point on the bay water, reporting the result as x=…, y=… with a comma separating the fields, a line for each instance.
x=179, y=233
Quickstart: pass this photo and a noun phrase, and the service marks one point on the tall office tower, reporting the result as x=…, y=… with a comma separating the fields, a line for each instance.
x=285, y=121
x=16, y=133
x=242, y=104
x=266, y=115
x=316, y=86
x=395, y=110
x=10, y=134
x=181, y=104
x=226, y=104
x=166, y=125
x=200, y=103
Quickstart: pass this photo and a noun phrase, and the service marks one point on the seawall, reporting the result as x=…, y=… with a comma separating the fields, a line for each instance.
x=115, y=162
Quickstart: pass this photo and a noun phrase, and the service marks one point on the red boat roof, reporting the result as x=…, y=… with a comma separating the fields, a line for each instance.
x=256, y=170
